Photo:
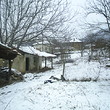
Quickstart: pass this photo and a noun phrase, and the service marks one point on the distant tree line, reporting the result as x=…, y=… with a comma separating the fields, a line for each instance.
x=98, y=36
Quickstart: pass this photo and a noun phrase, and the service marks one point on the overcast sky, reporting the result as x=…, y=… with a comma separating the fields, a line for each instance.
x=80, y=6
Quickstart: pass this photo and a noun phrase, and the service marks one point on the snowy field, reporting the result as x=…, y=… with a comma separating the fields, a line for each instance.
x=33, y=94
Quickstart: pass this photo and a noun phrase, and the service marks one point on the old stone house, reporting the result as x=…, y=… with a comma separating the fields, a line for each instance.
x=28, y=61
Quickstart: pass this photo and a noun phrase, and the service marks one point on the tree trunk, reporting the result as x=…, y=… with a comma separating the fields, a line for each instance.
x=63, y=61
x=63, y=68
x=51, y=62
x=9, y=72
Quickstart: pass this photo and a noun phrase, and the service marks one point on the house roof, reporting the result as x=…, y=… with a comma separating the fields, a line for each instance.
x=44, y=42
x=40, y=43
x=7, y=52
x=45, y=54
x=31, y=50
x=75, y=40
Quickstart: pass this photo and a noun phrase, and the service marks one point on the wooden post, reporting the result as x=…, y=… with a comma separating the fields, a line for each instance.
x=0, y=22
x=51, y=62
x=45, y=61
x=9, y=72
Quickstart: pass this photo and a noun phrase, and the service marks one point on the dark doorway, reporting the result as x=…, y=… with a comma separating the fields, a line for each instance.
x=27, y=64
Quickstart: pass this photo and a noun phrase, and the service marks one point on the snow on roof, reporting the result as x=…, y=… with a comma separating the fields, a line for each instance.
x=29, y=50
x=45, y=54
x=40, y=43
x=4, y=45
x=75, y=40
x=44, y=42
x=33, y=51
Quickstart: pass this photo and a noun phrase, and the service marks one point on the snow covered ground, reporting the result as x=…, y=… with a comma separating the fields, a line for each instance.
x=33, y=94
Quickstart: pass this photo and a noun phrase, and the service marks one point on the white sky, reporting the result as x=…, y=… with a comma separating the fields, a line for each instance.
x=78, y=2
x=80, y=5
x=77, y=6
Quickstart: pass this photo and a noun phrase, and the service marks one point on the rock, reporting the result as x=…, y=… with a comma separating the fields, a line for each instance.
x=48, y=81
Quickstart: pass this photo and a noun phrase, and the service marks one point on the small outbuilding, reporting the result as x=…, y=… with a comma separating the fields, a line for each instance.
x=30, y=59
x=9, y=54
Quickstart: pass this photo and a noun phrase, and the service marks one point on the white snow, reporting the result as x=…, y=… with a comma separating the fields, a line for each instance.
x=4, y=45
x=31, y=50
x=33, y=94
x=45, y=54
x=44, y=42
x=75, y=40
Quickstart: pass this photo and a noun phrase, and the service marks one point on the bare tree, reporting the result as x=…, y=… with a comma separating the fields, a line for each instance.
x=25, y=20
x=98, y=44
x=100, y=27
x=62, y=46
x=99, y=7
x=90, y=40
x=62, y=49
